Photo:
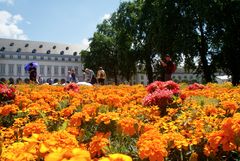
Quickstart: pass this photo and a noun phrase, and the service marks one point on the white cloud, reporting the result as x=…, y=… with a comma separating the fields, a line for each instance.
x=9, y=28
x=7, y=1
x=106, y=17
x=84, y=44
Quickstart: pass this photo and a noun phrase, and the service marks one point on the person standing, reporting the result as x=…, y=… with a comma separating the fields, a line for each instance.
x=73, y=74
x=32, y=73
x=69, y=77
x=168, y=68
x=89, y=76
x=101, y=76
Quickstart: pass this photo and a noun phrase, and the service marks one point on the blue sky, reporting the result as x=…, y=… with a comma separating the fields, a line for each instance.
x=60, y=21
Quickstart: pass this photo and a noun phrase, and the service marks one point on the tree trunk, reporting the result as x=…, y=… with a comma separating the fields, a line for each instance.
x=148, y=61
x=203, y=54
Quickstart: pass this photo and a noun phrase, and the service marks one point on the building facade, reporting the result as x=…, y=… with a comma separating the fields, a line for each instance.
x=55, y=60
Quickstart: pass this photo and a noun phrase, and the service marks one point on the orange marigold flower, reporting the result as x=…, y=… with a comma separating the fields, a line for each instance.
x=230, y=105
x=128, y=126
x=96, y=146
x=103, y=118
x=34, y=127
x=76, y=119
x=8, y=109
x=66, y=112
x=152, y=145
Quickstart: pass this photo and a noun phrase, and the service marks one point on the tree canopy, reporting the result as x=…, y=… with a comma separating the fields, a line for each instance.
x=205, y=34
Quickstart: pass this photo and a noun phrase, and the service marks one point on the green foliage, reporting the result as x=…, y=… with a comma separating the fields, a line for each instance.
x=7, y=121
x=63, y=104
x=124, y=144
x=111, y=127
x=202, y=100
x=89, y=130
x=55, y=124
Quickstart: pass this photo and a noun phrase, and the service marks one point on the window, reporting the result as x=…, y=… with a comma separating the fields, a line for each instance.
x=2, y=56
x=55, y=70
x=67, y=48
x=75, y=53
x=10, y=69
x=54, y=47
x=62, y=70
x=27, y=57
x=76, y=59
x=11, y=56
x=42, y=70
x=62, y=52
x=42, y=58
x=56, y=58
x=19, y=69
x=34, y=57
x=40, y=46
x=34, y=51
x=19, y=50
x=2, y=69
x=63, y=59
x=142, y=77
x=49, y=58
x=26, y=45
x=49, y=51
x=69, y=59
x=19, y=57
x=2, y=49
x=11, y=44
x=49, y=70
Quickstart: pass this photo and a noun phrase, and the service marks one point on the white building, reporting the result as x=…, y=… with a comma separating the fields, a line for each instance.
x=54, y=60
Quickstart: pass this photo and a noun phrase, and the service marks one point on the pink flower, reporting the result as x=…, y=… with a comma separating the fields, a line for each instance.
x=161, y=93
x=7, y=93
x=71, y=87
x=196, y=86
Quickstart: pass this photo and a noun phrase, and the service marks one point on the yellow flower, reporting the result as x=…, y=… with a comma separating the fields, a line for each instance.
x=116, y=157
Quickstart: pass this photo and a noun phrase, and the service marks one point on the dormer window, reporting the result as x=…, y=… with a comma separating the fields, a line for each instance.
x=62, y=52
x=11, y=44
x=49, y=51
x=75, y=53
x=40, y=46
x=2, y=49
x=19, y=50
x=26, y=45
x=34, y=51
x=67, y=48
x=54, y=47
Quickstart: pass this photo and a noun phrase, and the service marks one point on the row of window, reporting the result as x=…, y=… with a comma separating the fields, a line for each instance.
x=35, y=51
x=27, y=57
x=179, y=77
x=40, y=46
x=26, y=80
x=44, y=70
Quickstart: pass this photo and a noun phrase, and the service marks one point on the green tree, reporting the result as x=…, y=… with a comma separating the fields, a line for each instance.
x=230, y=51
x=102, y=50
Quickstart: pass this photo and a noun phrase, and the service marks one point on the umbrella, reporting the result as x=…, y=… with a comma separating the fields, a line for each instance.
x=28, y=65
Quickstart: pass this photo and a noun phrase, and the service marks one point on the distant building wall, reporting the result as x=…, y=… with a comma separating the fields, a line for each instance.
x=54, y=59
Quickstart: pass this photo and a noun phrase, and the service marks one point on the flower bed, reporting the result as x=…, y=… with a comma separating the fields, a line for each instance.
x=110, y=123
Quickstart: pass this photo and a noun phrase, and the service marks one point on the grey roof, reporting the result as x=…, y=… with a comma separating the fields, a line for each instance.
x=27, y=46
